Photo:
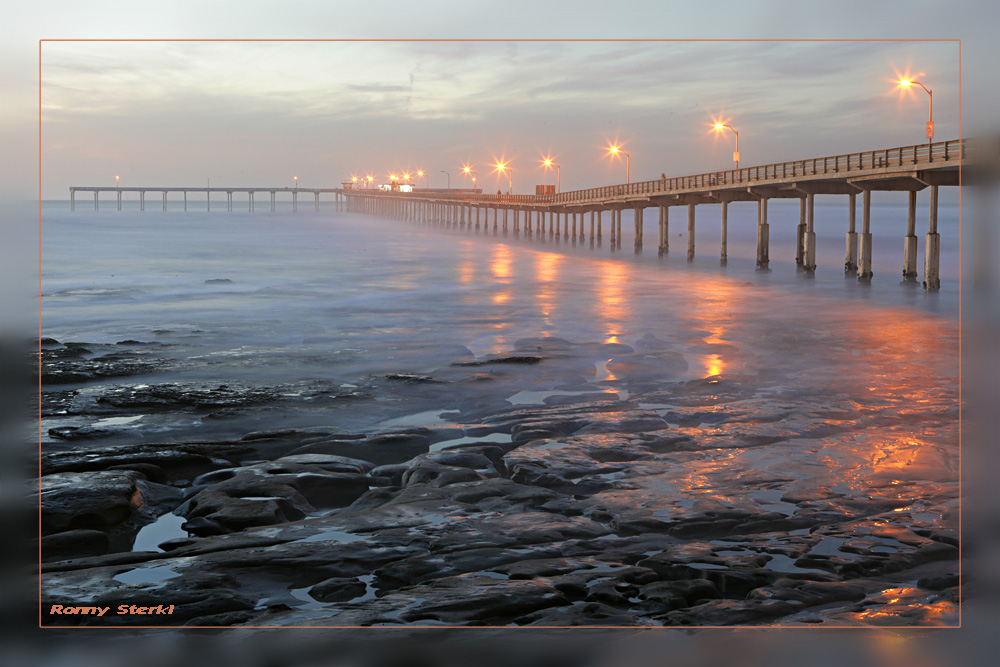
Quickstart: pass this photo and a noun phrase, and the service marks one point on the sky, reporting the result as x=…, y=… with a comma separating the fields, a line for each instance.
x=257, y=114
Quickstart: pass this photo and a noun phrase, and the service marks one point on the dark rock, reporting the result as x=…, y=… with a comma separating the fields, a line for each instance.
x=97, y=501
x=202, y=527
x=82, y=432
x=939, y=582
x=74, y=544
x=338, y=589
x=218, y=281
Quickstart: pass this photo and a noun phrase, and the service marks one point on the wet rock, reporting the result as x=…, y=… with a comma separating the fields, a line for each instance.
x=73, y=368
x=328, y=462
x=271, y=493
x=939, y=582
x=410, y=378
x=95, y=501
x=585, y=613
x=338, y=589
x=436, y=474
x=176, y=460
x=218, y=281
x=82, y=432
x=198, y=396
x=730, y=612
x=193, y=595
x=468, y=598
x=79, y=543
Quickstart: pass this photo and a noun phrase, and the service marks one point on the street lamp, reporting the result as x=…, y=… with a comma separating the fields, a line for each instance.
x=510, y=176
x=449, y=178
x=473, y=172
x=615, y=150
x=421, y=173
x=296, y=178
x=354, y=182
x=906, y=83
x=736, y=154
x=116, y=180
x=549, y=163
x=371, y=179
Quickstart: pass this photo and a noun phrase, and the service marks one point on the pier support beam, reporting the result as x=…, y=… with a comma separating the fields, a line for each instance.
x=72, y=200
x=637, y=214
x=800, y=234
x=932, y=246
x=865, y=256
x=664, y=245
x=591, y=227
x=295, y=202
x=164, y=201
x=185, y=201
x=316, y=202
x=724, y=258
x=690, y=232
x=599, y=225
x=96, y=200
x=763, y=235
x=910, y=242
x=142, y=200
x=851, y=259
x=119, y=193
x=809, y=238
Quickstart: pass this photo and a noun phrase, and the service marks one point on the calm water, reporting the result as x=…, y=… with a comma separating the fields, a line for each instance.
x=335, y=297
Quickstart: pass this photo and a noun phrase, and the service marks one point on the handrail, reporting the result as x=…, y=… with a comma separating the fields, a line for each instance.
x=888, y=159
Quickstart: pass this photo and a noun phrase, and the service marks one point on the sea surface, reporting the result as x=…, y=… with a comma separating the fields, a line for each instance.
x=364, y=324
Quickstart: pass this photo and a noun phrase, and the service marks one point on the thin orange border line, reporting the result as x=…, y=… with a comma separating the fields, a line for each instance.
x=773, y=626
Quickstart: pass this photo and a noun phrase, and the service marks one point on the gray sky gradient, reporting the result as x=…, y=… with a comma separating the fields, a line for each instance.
x=257, y=114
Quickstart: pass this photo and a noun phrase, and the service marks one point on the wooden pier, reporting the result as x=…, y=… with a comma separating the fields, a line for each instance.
x=907, y=168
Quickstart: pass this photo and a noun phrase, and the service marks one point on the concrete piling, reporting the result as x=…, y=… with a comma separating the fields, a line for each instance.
x=809, y=259
x=691, y=232
x=851, y=260
x=910, y=242
x=865, y=256
x=932, y=246
x=725, y=232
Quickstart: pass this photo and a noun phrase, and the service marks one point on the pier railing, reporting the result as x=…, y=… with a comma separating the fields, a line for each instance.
x=882, y=161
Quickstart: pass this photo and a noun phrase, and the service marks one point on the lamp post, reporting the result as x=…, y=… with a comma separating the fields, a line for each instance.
x=549, y=163
x=354, y=182
x=421, y=173
x=510, y=176
x=473, y=173
x=116, y=180
x=906, y=83
x=296, y=179
x=615, y=150
x=371, y=179
x=736, y=154
x=449, y=178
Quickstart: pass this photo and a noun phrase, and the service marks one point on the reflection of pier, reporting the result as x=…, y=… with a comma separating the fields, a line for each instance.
x=910, y=169
x=250, y=192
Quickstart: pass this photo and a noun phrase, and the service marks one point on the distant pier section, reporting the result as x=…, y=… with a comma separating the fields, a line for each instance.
x=164, y=191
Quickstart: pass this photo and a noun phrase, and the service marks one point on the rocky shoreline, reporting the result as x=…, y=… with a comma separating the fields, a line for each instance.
x=719, y=501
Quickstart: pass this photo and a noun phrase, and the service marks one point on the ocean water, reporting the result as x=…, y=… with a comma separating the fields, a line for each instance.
x=289, y=300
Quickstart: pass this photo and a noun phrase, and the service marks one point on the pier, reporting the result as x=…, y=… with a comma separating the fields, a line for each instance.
x=907, y=168
x=164, y=191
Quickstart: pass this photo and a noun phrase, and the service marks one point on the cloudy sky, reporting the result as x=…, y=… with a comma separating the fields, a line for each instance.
x=259, y=113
